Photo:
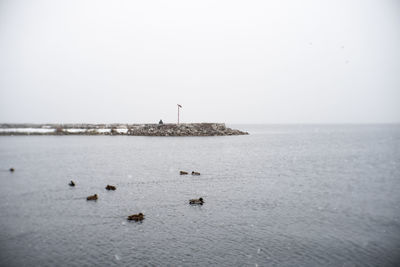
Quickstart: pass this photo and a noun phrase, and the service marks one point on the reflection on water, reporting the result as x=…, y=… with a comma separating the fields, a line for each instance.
x=284, y=195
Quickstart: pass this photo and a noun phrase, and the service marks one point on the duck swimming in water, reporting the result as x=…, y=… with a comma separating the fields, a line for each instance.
x=136, y=217
x=71, y=183
x=110, y=187
x=183, y=173
x=94, y=197
x=199, y=201
x=12, y=170
x=195, y=173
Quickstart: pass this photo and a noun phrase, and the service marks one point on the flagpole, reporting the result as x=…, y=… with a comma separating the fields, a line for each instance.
x=179, y=106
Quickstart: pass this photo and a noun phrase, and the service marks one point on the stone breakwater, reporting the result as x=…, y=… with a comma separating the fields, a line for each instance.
x=169, y=129
x=184, y=129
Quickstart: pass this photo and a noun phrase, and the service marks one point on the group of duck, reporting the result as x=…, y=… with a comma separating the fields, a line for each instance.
x=185, y=173
x=140, y=216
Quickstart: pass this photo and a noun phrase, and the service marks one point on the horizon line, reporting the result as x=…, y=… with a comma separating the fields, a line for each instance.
x=241, y=123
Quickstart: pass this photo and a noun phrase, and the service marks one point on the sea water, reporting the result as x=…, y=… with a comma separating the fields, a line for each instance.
x=285, y=195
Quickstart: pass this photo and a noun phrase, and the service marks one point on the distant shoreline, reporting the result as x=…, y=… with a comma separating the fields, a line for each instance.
x=168, y=129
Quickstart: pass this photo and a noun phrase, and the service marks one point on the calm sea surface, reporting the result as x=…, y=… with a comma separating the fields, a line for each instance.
x=282, y=196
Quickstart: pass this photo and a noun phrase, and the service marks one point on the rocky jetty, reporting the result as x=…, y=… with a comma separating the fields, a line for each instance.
x=167, y=129
x=184, y=129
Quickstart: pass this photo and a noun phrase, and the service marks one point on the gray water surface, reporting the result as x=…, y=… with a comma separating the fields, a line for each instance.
x=295, y=195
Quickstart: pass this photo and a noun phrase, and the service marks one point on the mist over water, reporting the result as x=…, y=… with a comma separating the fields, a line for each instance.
x=315, y=195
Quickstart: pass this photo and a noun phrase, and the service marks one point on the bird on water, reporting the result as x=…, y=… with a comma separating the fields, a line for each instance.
x=94, y=197
x=136, y=217
x=199, y=201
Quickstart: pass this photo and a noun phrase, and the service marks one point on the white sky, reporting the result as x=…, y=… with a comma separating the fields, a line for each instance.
x=224, y=61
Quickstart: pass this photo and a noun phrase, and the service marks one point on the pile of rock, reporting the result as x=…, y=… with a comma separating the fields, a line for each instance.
x=183, y=129
x=161, y=129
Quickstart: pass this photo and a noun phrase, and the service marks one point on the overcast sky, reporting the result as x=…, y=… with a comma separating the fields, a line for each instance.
x=223, y=61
